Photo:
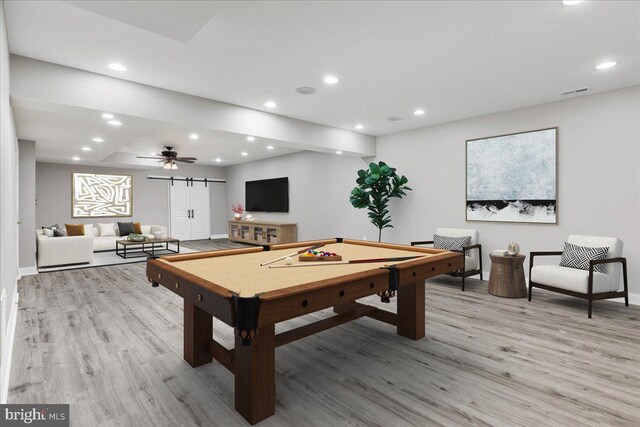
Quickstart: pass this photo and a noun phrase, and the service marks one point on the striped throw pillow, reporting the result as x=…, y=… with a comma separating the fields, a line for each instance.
x=574, y=256
x=451, y=243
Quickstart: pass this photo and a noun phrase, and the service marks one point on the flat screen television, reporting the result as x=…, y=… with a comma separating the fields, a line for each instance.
x=267, y=195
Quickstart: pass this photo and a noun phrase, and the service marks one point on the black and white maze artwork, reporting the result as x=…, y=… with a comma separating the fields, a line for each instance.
x=99, y=195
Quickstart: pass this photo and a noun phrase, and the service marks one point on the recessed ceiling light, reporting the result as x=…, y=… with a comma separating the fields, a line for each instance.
x=76, y=158
x=418, y=112
x=194, y=136
x=270, y=104
x=86, y=148
x=244, y=153
x=115, y=123
x=107, y=116
x=331, y=79
x=605, y=65
x=571, y=2
x=218, y=159
x=269, y=147
x=359, y=126
x=338, y=152
x=306, y=90
x=153, y=154
x=251, y=138
x=117, y=67
x=97, y=139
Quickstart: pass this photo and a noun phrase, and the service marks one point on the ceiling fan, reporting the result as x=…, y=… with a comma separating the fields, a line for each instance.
x=170, y=157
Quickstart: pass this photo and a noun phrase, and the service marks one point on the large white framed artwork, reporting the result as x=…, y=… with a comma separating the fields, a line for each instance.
x=513, y=178
x=100, y=195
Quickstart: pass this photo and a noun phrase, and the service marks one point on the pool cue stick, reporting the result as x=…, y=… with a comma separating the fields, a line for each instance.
x=301, y=251
x=353, y=261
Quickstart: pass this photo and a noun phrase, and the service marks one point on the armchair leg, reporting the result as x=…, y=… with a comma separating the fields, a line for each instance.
x=462, y=282
x=480, y=259
x=590, y=305
x=626, y=284
x=530, y=290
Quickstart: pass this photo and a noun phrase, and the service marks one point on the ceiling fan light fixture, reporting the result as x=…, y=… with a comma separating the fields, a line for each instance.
x=167, y=165
x=174, y=166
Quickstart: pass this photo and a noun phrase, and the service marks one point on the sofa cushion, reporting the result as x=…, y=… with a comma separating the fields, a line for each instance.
x=125, y=228
x=451, y=243
x=575, y=256
x=107, y=229
x=572, y=279
x=75, y=229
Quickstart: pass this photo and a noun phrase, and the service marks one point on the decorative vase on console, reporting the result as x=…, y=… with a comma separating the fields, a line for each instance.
x=513, y=249
x=238, y=210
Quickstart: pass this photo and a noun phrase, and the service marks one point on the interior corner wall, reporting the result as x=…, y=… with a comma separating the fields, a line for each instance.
x=319, y=188
x=27, y=203
x=150, y=197
x=598, y=175
x=8, y=215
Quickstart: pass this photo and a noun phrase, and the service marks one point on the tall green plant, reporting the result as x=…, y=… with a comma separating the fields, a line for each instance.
x=376, y=186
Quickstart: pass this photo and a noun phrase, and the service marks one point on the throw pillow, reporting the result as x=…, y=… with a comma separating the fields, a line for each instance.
x=451, y=243
x=106, y=229
x=49, y=230
x=574, y=256
x=137, y=228
x=125, y=228
x=59, y=232
x=74, y=229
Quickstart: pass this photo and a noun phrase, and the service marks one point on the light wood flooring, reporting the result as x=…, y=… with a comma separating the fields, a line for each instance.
x=106, y=342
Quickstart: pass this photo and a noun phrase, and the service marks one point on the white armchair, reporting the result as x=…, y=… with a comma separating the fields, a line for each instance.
x=472, y=252
x=586, y=284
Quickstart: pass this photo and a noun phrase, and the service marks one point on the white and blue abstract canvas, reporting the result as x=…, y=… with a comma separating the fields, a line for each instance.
x=512, y=178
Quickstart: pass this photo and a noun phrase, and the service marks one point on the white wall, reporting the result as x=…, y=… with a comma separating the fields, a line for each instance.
x=598, y=191
x=598, y=178
x=150, y=197
x=319, y=188
x=8, y=215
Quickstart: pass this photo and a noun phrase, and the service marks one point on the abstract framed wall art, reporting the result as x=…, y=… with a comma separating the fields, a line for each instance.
x=513, y=178
x=101, y=195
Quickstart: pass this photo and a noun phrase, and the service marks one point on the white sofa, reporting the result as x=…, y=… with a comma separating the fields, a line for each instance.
x=65, y=250
x=108, y=243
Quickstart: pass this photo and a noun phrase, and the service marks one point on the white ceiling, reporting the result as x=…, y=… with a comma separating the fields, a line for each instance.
x=61, y=136
x=454, y=59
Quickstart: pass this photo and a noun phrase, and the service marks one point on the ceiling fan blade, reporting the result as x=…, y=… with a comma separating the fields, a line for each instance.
x=184, y=161
x=186, y=158
x=145, y=157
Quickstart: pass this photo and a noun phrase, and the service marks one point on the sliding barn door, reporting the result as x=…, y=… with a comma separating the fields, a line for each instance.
x=200, y=216
x=190, y=216
x=180, y=201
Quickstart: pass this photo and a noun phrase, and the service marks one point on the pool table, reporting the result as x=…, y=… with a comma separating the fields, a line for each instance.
x=233, y=286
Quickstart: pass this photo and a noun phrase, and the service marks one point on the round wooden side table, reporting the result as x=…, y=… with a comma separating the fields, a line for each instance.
x=507, y=276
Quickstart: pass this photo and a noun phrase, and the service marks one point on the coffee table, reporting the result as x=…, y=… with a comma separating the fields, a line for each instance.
x=146, y=248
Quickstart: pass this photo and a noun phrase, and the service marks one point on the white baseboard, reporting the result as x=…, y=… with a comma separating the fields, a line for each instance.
x=27, y=271
x=5, y=367
x=219, y=236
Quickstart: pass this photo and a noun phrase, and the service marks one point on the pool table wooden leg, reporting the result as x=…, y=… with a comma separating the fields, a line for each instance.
x=198, y=333
x=411, y=311
x=255, y=372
